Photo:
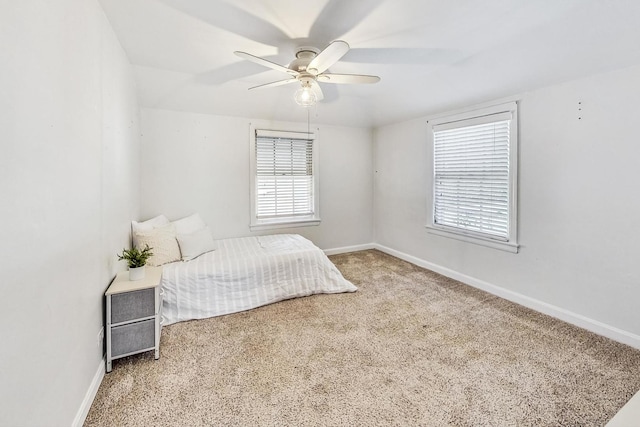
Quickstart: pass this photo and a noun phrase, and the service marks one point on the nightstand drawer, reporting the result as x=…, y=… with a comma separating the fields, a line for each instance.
x=133, y=337
x=133, y=305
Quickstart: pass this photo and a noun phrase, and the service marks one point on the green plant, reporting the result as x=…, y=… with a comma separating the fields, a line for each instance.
x=136, y=257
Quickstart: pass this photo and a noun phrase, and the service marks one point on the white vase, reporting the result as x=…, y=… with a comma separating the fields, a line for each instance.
x=136, y=273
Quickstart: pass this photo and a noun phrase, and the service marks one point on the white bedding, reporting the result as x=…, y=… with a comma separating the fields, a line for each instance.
x=245, y=273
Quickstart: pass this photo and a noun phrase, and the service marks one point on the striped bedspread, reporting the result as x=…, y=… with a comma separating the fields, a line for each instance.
x=245, y=273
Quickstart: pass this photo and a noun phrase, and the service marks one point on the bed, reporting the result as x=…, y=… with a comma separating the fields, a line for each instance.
x=245, y=273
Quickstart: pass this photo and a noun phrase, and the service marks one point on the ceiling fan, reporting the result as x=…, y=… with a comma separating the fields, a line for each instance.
x=309, y=68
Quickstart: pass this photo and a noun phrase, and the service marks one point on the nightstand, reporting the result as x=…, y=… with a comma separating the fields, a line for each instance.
x=133, y=317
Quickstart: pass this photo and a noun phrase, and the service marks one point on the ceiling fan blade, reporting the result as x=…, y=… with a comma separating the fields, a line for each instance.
x=274, y=84
x=348, y=78
x=329, y=56
x=315, y=87
x=265, y=63
x=232, y=71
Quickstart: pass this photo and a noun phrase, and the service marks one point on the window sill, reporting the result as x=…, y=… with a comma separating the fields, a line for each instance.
x=490, y=243
x=284, y=223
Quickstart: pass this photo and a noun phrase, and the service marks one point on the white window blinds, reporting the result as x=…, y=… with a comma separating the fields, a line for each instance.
x=284, y=176
x=471, y=186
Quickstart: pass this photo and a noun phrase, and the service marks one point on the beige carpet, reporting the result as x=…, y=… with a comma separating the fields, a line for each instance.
x=409, y=348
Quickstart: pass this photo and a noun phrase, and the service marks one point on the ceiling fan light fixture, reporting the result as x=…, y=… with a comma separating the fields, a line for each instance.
x=305, y=96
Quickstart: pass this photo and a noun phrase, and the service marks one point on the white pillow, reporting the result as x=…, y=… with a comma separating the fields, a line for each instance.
x=195, y=244
x=189, y=224
x=163, y=244
x=147, y=225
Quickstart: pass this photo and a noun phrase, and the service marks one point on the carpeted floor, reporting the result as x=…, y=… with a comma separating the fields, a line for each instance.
x=411, y=347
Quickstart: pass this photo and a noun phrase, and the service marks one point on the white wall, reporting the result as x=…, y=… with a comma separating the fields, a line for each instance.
x=69, y=186
x=578, y=204
x=200, y=163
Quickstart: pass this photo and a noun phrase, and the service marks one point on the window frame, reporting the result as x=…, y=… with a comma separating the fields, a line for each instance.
x=256, y=223
x=510, y=244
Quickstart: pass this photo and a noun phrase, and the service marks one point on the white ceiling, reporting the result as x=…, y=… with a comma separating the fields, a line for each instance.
x=432, y=55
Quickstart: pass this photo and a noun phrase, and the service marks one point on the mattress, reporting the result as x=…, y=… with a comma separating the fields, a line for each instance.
x=245, y=273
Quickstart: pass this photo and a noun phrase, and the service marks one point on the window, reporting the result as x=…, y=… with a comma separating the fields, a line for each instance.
x=474, y=180
x=284, y=179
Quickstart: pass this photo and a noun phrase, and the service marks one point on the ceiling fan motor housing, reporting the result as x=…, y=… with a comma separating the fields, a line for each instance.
x=304, y=55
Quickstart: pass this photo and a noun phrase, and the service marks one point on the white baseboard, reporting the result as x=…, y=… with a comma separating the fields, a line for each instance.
x=346, y=249
x=628, y=415
x=83, y=411
x=540, y=306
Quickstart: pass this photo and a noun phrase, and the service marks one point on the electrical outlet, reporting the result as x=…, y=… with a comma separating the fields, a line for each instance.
x=101, y=337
